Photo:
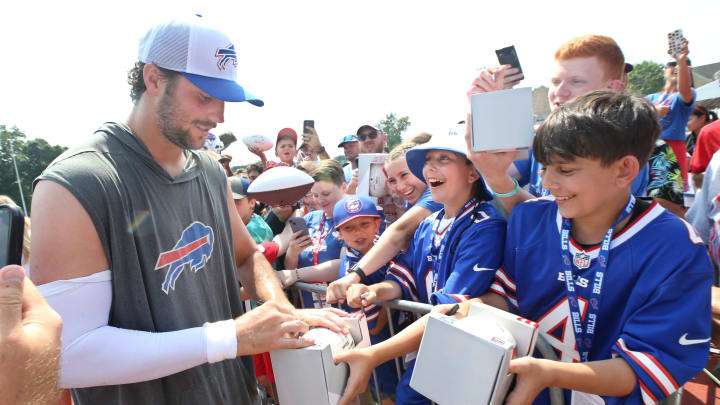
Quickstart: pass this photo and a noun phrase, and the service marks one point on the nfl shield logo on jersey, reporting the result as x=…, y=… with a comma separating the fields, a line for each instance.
x=581, y=260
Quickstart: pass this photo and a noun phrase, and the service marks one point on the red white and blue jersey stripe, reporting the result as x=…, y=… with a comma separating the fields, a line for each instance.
x=655, y=305
x=473, y=252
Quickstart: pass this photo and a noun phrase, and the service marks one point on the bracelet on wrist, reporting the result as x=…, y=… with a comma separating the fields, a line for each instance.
x=511, y=193
x=297, y=275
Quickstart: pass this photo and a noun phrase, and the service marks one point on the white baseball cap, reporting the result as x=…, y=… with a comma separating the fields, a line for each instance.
x=204, y=55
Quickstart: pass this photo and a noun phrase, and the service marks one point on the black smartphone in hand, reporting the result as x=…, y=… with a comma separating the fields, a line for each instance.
x=12, y=226
x=308, y=123
x=508, y=56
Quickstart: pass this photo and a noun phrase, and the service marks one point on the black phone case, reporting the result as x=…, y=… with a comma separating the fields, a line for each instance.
x=15, y=234
x=308, y=123
x=508, y=56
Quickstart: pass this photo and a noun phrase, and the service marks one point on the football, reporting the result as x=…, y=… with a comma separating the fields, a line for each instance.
x=280, y=186
x=261, y=142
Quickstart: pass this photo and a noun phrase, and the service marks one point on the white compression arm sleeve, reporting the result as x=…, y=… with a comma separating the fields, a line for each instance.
x=95, y=354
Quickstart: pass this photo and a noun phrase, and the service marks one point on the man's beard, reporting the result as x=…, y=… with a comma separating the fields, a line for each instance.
x=168, y=116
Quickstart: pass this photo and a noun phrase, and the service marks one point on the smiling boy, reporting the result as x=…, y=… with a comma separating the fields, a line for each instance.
x=591, y=239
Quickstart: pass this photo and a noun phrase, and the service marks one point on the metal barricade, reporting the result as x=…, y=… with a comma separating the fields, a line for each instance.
x=556, y=394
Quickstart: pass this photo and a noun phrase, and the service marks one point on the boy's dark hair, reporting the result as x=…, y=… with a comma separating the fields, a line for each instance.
x=603, y=124
x=257, y=166
x=137, y=83
x=328, y=170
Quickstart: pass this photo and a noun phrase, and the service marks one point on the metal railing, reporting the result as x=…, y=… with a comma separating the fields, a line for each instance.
x=556, y=394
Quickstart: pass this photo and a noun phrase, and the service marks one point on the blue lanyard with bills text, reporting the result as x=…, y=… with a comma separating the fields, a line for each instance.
x=437, y=249
x=584, y=338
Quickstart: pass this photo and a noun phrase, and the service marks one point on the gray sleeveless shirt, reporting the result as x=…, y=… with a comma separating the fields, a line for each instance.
x=169, y=245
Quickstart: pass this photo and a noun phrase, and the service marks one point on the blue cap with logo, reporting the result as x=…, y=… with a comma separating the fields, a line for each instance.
x=204, y=55
x=354, y=206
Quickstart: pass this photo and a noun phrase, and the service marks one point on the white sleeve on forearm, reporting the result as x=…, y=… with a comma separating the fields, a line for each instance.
x=95, y=354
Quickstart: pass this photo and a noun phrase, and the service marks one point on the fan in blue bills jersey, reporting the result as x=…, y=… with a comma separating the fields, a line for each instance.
x=473, y=245
x=655, y=306
x=358, y=222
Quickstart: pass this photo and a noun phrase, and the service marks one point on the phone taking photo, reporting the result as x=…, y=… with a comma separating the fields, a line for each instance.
x=298, y=224
x=676, y=42
x=308, y=123
x=12, y=226
x=508, y=56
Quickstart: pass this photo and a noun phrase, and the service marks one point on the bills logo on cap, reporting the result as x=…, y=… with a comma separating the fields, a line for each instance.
x=193, y=249
x=353, y=205
x=226, y=55
x=581, y=260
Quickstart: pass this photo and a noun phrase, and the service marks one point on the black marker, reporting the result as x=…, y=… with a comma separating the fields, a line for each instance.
x=452, y=310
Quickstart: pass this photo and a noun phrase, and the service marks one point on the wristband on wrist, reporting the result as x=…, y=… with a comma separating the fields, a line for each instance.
x=511, y=193
x=357, y=270
x=297, y=275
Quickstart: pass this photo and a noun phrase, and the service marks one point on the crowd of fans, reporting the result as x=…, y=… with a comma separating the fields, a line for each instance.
x=598, y=208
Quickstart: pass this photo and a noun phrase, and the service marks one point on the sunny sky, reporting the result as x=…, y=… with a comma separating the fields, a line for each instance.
x=340, y=63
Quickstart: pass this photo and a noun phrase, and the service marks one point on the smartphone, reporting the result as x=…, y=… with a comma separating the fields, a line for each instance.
x=508, y=56
x=12, y=226
x=675, y=42
x=308, y=123
x=298, y=224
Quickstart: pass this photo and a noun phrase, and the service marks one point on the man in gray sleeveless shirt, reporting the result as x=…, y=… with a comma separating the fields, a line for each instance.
x=138, y=246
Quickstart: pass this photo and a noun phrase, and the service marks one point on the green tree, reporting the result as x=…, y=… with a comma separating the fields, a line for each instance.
x=646, y=78
x=32, y=158
x=393, y=128
x=227, y=138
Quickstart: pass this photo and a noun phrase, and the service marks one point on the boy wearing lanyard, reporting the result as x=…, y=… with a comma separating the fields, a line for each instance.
x=315, y=257
x=453, y=255
x=619, y=287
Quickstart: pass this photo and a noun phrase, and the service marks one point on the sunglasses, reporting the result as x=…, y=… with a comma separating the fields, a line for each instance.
x=371, y=135
x=699, y=113
x=671, y=64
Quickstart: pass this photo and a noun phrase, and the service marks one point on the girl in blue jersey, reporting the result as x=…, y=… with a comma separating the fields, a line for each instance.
x=453, y=255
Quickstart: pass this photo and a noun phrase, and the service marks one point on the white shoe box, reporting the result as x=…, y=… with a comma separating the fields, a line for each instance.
x=309, y=375
x=457, y=366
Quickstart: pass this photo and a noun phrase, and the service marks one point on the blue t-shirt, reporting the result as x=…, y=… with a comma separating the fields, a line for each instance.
x=426, y=202
x=655, y=302
x=674, y=122
x=531, y=174
x=325, y=242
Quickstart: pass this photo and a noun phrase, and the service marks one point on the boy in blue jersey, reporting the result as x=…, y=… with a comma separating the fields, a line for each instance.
x=358, y=221
x=619, y=286
x=453, y=255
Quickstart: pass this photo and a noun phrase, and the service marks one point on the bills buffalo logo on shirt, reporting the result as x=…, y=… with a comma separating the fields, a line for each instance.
x=353, y=205
x=192, y=250
x=226, y=55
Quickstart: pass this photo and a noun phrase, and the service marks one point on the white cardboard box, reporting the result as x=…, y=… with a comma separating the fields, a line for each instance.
x=502, y=120
x=456, y=367
x=371, y=179
x=309, y=375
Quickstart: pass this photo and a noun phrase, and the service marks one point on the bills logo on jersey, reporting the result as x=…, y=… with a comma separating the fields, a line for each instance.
x=594, y=303
x=226, y=55
x=581, y=260
x=353, y=205
x=192, y=250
